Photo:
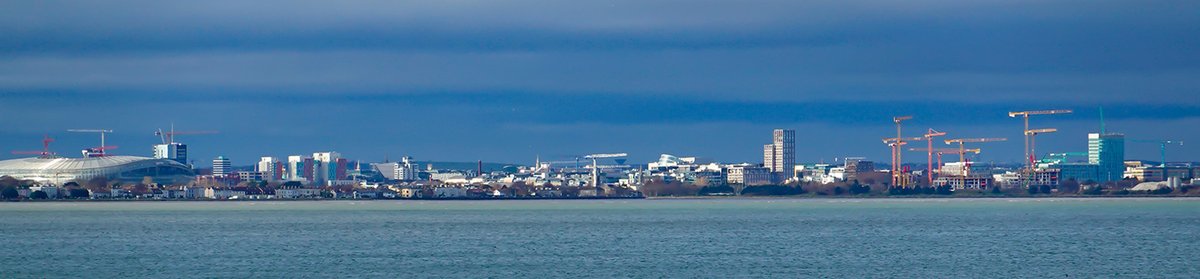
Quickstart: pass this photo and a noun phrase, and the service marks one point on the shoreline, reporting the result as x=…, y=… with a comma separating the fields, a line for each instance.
x=802, y=197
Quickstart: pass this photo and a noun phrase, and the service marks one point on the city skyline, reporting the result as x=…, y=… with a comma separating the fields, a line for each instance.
x=1148, y=151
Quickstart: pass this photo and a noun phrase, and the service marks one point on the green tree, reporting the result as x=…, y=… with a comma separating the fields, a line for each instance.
x=39, y=195
x=79, y=193
x=10, y=193
x=1069, y=186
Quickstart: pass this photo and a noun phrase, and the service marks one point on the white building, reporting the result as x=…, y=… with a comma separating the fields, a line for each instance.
x=327, y=166
x=298, y=193
x=299, y=168
x=58, y=171
x=223, y=194
x=270, y=168
x=172, y=151
x=221, y=166
x=405, y=169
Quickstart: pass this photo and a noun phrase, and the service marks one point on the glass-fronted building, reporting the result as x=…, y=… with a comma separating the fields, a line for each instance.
x=1107, y=152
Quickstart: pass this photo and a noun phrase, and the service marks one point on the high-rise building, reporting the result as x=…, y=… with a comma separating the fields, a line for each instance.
x=780, y=155
x=406, y=169
x=328, y=166
x=1107, y=151
x=299, y=168
x=769, y=156
x=173, y=151
x=221, y=166
x=271, y=169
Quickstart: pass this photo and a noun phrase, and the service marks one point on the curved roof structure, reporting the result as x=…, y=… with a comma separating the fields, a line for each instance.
x=63, y=170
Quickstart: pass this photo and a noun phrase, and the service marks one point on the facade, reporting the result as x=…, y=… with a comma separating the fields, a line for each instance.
x=856, y=165
x=1078, y=172
x=250, y=176
x=223, y=194
x=748, y=175
x=172, y=151
x=270, y=168
x=1107, y=151
x=221, y=167
x=780, y=155
x=328, y=166
x=298, y=193
x=299, y=168
x=961, y=182
x=406, y=169
x=133, y=169
x=1155, y=173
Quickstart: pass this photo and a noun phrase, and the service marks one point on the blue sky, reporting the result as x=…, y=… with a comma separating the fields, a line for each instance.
x=506, y=81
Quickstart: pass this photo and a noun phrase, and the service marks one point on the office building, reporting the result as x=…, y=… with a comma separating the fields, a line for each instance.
x=780, y=156
x=299, y=168
x=221, y=167
x=856, y=165
x=328, y=166
x=1107, y=151
x=748, y=175
x=172, y=151
x=270, y=168
x=406, y=169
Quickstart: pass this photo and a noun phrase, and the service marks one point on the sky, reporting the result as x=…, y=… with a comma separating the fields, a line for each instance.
x=509, y=81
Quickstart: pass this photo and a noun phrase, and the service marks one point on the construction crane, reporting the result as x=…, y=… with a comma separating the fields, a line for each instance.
x=550, y=164
x=1025, y=115
x=596, y=166
x=169, y=135
x=940, y=151
x=929, y=135
x=45, y=153
x=102, y=132
x=1162, y=149
x=962, y=150
x=896, y=144
x=896, y=152
x=1032, y=135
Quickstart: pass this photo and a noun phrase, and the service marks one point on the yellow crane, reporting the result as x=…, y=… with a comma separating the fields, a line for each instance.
x=1025, y=115
x=899, y=141
x=896, y=144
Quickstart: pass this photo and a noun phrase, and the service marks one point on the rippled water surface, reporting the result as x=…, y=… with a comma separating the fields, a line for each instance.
x=781, y=238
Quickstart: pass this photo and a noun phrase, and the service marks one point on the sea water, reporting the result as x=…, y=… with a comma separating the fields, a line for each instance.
x=727, y=237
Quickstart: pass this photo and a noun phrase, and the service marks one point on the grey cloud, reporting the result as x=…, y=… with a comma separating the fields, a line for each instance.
x=799, y=74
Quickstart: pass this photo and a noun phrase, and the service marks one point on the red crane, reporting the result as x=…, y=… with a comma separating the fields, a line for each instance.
x=45, y=153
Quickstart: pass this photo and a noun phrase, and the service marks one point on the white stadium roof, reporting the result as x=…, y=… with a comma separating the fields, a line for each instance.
x=63, y=164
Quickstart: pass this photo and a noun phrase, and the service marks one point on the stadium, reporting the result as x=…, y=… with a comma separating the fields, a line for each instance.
x=59, y=171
